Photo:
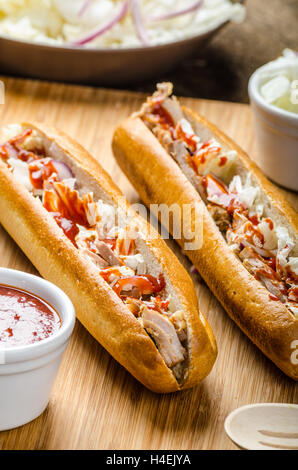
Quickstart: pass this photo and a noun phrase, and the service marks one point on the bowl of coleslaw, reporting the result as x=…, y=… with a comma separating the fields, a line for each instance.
x=106, y=41
x=273, y=91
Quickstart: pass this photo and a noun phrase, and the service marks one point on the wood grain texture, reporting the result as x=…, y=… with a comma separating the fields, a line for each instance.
x=96, y=404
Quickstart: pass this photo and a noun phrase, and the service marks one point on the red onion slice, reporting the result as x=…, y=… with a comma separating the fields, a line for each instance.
x=84, y=7
x=195, y=6
x=63, y=170
x=103, y=29
x=194, y=270
x=138, y=21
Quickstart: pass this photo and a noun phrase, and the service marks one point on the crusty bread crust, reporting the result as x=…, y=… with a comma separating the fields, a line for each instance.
x=97, y=306
x=267, y=323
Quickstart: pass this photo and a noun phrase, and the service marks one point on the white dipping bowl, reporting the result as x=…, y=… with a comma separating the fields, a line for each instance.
x=27, y=373
x=276, y=132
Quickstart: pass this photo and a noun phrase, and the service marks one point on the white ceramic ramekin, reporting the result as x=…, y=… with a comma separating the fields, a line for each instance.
x=276, y=132
x=27, y=373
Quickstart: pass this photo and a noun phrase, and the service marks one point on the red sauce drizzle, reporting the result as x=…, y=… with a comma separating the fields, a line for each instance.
x=124, y=249
x=106, y=273
x=189, y=139
x=40, y=171
x=272, y=263
x=222, y=161
x=254, y=219
x=273, y=297
x=192, y=164
x=293, y=294
x=69, y=227
x=254, y=232
x=69, y=210
x=165, y=119
x=12, y=149
x=270, y=223
x=144, y=284
x=291, y=276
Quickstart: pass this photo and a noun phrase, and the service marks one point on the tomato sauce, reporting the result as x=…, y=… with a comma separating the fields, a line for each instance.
x=25, y=318
x=293, y=294
x=223, y=161
x=254, y=219
x=164, y=118
x=40, y=171
x=67, y=208
x=145, y=285
x=70, y=229
x=12, y=149
x=273, y=297
x=190, y=139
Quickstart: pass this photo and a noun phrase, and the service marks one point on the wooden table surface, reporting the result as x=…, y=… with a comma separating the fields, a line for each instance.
x=95, y=403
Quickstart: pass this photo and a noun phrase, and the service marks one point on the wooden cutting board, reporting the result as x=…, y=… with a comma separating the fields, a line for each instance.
x=95, y=403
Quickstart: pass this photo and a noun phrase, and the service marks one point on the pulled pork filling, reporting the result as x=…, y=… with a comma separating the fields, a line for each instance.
x=266, y=249
x=102, y=235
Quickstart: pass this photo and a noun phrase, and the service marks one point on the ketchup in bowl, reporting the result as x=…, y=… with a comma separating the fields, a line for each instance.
x=25, y=318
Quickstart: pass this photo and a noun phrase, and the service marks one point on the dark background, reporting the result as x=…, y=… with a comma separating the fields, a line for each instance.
x=222, y=70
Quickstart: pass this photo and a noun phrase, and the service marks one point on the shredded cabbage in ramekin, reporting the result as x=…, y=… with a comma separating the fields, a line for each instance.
x=279, y=87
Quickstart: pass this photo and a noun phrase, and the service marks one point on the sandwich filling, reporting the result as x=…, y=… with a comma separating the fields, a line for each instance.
x=103, y=236
x=235, y=203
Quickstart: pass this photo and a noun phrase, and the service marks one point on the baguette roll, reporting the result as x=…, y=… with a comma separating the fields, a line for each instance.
x=130, y=292
x=249, y=255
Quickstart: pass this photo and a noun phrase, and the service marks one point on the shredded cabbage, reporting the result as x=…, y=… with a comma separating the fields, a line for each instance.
x=59, y=21
x=280, y=87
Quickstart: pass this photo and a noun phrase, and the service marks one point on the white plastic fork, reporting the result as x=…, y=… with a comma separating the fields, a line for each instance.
x=264, y=426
